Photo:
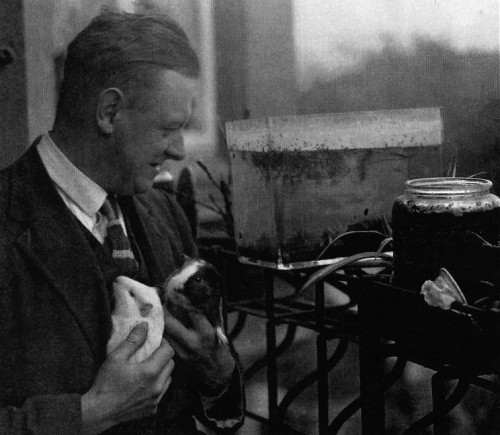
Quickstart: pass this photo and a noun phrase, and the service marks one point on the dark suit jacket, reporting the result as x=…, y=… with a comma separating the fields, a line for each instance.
x=55, y=309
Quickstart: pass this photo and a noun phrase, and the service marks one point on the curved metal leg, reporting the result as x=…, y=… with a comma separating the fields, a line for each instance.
x=446, y=406
x=395, y=373
x=486, y=384
x=371, y=374
x=285, y=343
x=355, y=405
x=438, y=384
x=271, y=353
x=309, y=379
x=238, y=326
x=344, y=415
x=321, y=358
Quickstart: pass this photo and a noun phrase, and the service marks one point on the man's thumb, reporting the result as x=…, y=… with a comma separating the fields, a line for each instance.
x=134, y=340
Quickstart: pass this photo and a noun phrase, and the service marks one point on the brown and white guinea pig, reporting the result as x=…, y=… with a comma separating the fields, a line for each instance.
x=135, y=302
x=195, y=286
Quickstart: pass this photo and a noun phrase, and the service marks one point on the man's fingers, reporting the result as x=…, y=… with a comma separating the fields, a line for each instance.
x=166, y=373
x=169, y=368
x=162, y=355
x=165, y=389
x=133, y=342
x=175, y=329
x=200, y=322
x=180, y=349
x=185, y=340
x=165, y=378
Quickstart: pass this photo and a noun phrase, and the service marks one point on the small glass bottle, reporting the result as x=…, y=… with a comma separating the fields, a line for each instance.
x=446, y=222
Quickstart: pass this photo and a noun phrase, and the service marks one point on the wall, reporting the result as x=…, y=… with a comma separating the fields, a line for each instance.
x=50, y=25
x=255, y=58
x=270, y=62
x=231, y=55
x=13, y=107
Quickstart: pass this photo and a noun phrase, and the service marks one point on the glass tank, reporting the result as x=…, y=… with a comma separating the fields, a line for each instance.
x=299, y=182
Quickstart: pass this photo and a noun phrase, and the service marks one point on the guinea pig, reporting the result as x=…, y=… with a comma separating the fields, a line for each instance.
x=134, y=303
x=195, y=286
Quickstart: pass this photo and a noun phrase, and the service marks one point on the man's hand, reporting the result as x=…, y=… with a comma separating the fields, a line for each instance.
x=124, y=390
x=200, y=348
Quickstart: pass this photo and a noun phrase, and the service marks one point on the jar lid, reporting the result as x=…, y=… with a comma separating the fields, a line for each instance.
x=448, y=186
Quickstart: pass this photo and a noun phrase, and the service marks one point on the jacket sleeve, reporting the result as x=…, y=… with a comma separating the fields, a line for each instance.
x=224, y=413
x=43, y=414
x=22, y=409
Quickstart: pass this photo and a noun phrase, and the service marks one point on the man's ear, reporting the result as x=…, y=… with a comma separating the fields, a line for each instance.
x=110, y=102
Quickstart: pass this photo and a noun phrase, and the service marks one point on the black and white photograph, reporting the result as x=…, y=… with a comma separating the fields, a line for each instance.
x=250, y=217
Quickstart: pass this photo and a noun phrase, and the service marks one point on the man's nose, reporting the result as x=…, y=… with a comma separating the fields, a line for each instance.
x=175, y=149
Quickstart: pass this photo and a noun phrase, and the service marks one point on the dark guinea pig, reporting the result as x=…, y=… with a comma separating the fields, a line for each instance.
x=195, y=286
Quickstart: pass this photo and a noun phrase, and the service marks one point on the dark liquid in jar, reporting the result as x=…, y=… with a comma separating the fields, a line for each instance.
x=426, y=239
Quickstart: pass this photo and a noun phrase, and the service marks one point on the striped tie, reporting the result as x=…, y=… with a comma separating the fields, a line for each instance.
x=120, y=245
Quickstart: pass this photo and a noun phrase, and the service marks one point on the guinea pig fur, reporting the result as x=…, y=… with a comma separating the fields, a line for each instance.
x=135, y=302
x=195, y=286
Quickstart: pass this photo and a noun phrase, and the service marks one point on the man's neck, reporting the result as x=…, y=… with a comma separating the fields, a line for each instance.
x=81, y=150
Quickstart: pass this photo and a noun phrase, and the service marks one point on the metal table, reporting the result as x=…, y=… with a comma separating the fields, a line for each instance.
x=458, y=344
x=389, y=321
x=329, y=322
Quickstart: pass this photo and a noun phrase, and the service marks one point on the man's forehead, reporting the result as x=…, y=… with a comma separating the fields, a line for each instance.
x=175, y=95
x=179, y=81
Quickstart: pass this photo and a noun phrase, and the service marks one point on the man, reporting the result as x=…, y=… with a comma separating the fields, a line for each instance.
x=126, y=95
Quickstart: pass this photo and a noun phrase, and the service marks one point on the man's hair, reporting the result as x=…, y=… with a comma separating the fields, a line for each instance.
x=121, y=50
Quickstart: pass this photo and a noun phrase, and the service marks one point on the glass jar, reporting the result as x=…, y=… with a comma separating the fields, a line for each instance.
x=446, y=222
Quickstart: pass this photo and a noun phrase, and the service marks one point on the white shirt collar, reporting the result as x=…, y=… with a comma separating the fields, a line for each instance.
x=84, y=192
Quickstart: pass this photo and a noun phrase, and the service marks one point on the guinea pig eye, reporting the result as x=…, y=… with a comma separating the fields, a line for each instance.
x=198, y=279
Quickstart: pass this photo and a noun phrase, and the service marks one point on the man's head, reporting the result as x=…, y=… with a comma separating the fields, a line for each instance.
x=124, y=51
x=128, y=85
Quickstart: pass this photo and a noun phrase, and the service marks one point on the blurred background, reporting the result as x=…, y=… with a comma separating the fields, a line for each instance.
x=285, y=57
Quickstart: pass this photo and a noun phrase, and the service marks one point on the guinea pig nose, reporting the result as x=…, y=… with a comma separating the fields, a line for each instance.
x=145, y=309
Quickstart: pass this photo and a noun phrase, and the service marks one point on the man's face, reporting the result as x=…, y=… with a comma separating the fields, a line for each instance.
x=149, y=133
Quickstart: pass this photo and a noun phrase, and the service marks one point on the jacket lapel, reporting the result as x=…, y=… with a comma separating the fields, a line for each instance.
x=54, y=244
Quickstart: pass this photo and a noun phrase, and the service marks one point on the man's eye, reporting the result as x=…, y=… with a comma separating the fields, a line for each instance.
x=170, y=130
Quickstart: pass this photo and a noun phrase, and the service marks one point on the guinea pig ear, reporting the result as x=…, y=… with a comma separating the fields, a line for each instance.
x=145, y=309
x=215, y=273
x=212, y=276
